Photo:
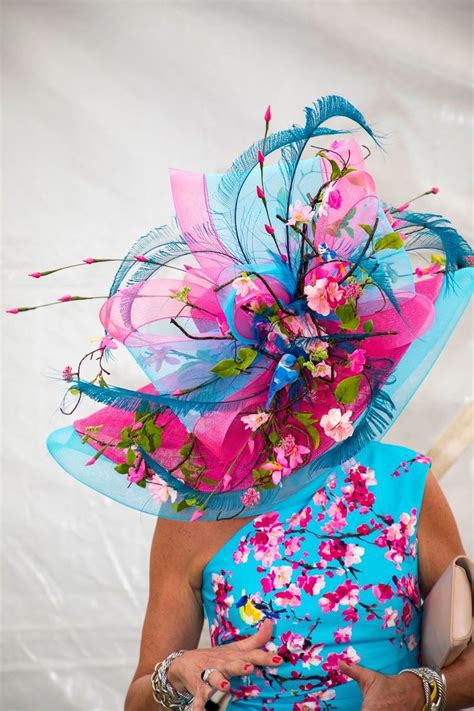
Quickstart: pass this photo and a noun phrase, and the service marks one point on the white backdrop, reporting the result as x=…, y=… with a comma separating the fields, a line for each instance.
x=100, y=98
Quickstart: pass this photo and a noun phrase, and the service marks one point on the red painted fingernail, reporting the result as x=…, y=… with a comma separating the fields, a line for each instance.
x=224, y=684
x=247, y=666
x=277, y=659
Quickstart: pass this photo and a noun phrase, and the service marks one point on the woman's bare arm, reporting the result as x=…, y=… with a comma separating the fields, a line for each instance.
x=173, y=618
x=439, y=542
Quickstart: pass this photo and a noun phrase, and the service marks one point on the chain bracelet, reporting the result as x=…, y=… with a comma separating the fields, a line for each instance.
x=163, y=692
x=431, y=676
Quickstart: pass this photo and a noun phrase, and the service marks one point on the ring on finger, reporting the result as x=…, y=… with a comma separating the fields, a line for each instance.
x=205, y=674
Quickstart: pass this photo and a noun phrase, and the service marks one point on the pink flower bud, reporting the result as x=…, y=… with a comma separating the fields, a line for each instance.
x=435, y=190
x=260, y=193
x=141, y=258
x=197, y=514
x=284, y=258
x=268, y=115
x=36, y=275
x=405, y=206
x=91, y=461
x=89, y=260
x=269, y=229
x=137, y=426
x=260, y=157
x=13, y=311
x=67, y=297
x=177, y=393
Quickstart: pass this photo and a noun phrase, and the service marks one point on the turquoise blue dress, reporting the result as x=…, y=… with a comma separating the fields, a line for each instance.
x=335, y=566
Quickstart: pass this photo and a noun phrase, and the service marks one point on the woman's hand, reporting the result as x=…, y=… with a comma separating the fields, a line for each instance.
x=397, y=692
x=233, y=659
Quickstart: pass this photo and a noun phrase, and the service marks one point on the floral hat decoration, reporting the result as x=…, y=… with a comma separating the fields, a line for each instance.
x=283, y=322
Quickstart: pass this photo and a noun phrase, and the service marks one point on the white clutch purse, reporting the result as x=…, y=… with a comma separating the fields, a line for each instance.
x=448, y=614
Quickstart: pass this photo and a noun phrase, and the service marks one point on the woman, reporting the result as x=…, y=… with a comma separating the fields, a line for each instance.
x=181, y=552
x=283, y=329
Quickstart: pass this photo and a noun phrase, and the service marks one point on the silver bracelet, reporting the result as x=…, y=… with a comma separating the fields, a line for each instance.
x=163, y=692
x=429, y=677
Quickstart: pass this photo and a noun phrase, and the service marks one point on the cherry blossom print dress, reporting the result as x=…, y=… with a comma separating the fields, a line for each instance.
x=336, y=568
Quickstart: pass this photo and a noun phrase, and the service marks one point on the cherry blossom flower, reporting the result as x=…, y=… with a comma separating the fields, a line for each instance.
x=317, y=297
x=107, y=342
x=67, y=373
x=337, y=425
x=244, y=284
x=289, y=454
x=335, y=293
x=357, y=360
x=322, y=370
x=160, y=490
x=390, y=618
x=300, y=213
x=250, y=498
x=343, y=634
x=256, y=420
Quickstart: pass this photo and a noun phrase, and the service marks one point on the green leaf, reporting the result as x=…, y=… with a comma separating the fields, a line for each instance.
x=74, y=391
x=336, y=171
x=130, y=457
x=390, y=241
x=141, y=483
x=306, y=418
x=368, y=326
x=144, y=443
x=226, y=368
x=122, y=468
x=156, y=440
x=437, y=259
x=315, y=437
x=366, y=228
x=273, y=437
x=348, y=316
x=348, y=389
x=246, y=356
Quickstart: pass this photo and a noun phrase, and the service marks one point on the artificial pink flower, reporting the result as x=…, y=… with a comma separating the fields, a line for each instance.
x=89, y=260
x=260, y=157
x=260, y=193
x=289, y=454
x=196, y=515
x=134, y=475
x=67, y=297
x=107, y=342
x=317, y=298
x=353, y=290
x=244, y=285
x=36, y=275
x=300, y=213
x=141, y=258
x=269, y=229
x=278, y=471
x=337, y=425
x=357, y=360
x=250, y=498
x=268, y=114
x=137, y=426
x=160, y=490
x=435, y=190
x=335, y=199
x=253, y=422
x=67, y=373
x=322, y=370
x=335, y=294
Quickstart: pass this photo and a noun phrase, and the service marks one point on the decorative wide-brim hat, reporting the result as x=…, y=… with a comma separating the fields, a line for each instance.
x=283, y=323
